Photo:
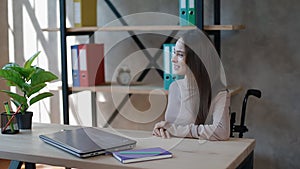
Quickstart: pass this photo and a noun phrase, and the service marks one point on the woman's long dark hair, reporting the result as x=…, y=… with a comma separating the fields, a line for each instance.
x=198, y=78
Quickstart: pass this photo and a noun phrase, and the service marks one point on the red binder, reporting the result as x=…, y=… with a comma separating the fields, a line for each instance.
x=91, y=64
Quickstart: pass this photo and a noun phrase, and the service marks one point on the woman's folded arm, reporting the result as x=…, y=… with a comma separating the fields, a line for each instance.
x=218, y=130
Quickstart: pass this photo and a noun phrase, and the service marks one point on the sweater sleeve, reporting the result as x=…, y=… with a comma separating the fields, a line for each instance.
x=218, y=130
x=174, y=103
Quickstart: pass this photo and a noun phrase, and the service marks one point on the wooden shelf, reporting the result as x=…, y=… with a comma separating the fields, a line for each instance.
x=224, y=27
x=124, y=28
x=147, y=28
x=132, y=89
x=123, y=89
x=139, y=89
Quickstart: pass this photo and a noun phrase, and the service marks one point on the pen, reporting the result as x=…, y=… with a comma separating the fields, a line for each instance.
x=140, y=152
x=9, y=121
x=8, y=113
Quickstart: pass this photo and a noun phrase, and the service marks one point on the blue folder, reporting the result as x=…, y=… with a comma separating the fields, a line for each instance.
x=75, y=66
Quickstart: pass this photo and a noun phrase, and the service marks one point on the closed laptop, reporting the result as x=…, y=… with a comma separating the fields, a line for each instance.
x=88, y=141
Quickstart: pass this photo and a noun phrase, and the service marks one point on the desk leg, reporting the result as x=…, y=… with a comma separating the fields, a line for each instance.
x=15, y=164
x=18, y=164
x=94, y=108
x=248, y=162
x=29, y=165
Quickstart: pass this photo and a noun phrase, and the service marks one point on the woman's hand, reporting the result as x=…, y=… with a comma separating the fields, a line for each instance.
x=160, y=130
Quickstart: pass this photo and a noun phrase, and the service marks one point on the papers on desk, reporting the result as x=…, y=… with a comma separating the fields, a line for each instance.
x=131, y=156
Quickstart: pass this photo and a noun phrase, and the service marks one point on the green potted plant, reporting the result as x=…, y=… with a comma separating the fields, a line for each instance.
x=29, y=80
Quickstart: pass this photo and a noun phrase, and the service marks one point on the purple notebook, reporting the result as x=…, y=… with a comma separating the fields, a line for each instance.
x=130, y=156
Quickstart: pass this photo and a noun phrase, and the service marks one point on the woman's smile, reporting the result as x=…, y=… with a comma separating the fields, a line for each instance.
x=176, y=67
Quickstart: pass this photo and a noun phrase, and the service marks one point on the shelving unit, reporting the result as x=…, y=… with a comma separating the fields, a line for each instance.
x=123, y=89
x=148, y=28
x=214, y=30
x=134, y=90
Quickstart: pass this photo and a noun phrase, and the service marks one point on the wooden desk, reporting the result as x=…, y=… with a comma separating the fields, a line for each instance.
x=188, y=153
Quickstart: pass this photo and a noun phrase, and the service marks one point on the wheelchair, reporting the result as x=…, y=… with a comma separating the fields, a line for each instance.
x=241, y=128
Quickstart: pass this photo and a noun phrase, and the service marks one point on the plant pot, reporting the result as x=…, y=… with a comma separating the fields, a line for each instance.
x=11, y=128
x=24, y=120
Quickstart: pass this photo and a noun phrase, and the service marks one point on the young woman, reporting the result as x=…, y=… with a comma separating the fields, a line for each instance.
x=190, y=104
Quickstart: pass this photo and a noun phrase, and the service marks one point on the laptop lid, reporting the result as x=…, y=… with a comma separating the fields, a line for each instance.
x=87, y=141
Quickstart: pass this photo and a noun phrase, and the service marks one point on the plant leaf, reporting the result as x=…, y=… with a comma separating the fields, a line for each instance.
x=13, y=77
x=41, y=76
x=35, y=70
x=17, y=98
x=40, y=97
x=9, y=83
x=17, y=104
x=31, y=59
x=35, y=89
x=24, y=72
x=9, y=66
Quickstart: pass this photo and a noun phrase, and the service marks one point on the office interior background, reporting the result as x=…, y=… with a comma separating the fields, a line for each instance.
x=264, y=56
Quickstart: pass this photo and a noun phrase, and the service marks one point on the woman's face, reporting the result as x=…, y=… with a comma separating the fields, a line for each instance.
x=178, y=59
